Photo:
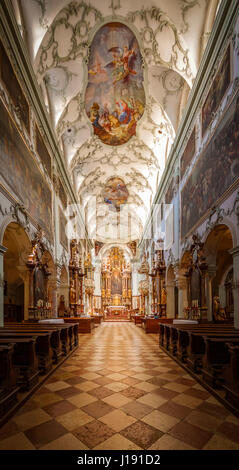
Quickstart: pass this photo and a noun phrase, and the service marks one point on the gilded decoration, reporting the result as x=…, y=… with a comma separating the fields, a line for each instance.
x=116, y=280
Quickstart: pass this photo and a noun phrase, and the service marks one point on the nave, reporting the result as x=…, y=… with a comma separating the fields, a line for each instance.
x=120, y=391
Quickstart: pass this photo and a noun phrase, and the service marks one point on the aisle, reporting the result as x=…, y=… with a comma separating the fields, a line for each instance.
x=120, y=391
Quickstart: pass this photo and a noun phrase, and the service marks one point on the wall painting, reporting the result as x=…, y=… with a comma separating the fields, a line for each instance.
x=21, y=173
x=188, y=154
x=62, y=229
x=216, y=170
x=11, y=83
x=216, y=92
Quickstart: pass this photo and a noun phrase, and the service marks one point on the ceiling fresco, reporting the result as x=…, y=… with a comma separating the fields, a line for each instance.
x=114, y=97
x=115, y=77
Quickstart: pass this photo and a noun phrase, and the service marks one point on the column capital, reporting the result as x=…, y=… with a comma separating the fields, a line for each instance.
x=170, y=284
x=181, y=282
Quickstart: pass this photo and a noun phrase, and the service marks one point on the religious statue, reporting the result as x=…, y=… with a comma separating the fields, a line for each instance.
x=62, y=308
x=218, y=312
x=72, y=293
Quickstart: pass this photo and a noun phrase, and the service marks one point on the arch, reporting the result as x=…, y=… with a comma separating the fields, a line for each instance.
x=64, y=278
x=16, y=275
x=108, y=247
x=218, y=239
x=172, y=293
x=230, y=225
x=217, y=246
x=170, y=274
x=13, y=218
x=184, y=261
x=63, y=292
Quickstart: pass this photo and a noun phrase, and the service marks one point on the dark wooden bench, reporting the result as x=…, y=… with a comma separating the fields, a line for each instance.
x=45, y=344
x=64, y=336
x=24, y=358
x=150, y=325
x=97, y=319
x=8, y=376
x=231, y=375
x=8, y=379
x=85, y=324
x=216, y=357
x=138, y=319
x=175, y=338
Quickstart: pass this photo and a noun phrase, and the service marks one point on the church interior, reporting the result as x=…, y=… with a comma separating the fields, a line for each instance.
x=119, y=225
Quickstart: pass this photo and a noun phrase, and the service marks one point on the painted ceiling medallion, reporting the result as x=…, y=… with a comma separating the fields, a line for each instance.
x=115, y=193
x=115, y=97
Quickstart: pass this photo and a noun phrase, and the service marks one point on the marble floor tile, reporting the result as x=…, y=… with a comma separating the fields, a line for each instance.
x=120, y=391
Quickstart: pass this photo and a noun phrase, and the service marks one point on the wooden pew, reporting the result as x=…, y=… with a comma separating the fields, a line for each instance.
x=97, y=319
x=231, y=375
x=162, y=324
x=85, y=324
x=24, y=358
x=176, y=337
x=64, y=336
x=8, y=375
x=150, y=325
x=216, y=357
x=44, y=349
x=138, y=319
x=24, y=347
x=197, y=346
x=8, y=379
x=188, y=343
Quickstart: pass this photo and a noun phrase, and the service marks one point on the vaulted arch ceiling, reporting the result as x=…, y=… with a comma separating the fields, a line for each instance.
x=171, y=35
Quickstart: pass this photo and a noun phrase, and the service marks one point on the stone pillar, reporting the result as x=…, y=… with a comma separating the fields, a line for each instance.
x=24, y=273
x=182, y=294
x=53, y=285
x=222, y=295
x=97, y=276
x=235, y=255
x=135, y=278
x=2, y=252
x=211, y=272
x=170, y=308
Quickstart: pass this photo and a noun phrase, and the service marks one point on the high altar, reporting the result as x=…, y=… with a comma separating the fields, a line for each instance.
x=116, y=284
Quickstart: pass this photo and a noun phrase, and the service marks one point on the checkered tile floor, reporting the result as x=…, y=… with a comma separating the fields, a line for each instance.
x=119, y=391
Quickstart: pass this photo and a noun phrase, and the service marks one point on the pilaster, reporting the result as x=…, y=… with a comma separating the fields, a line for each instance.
x=2, y=252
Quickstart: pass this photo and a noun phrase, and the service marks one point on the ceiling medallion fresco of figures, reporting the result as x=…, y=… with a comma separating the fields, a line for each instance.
x=115, y=193
x=115, y=97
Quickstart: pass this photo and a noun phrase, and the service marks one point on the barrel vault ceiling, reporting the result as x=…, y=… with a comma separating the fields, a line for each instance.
x=172, y=35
